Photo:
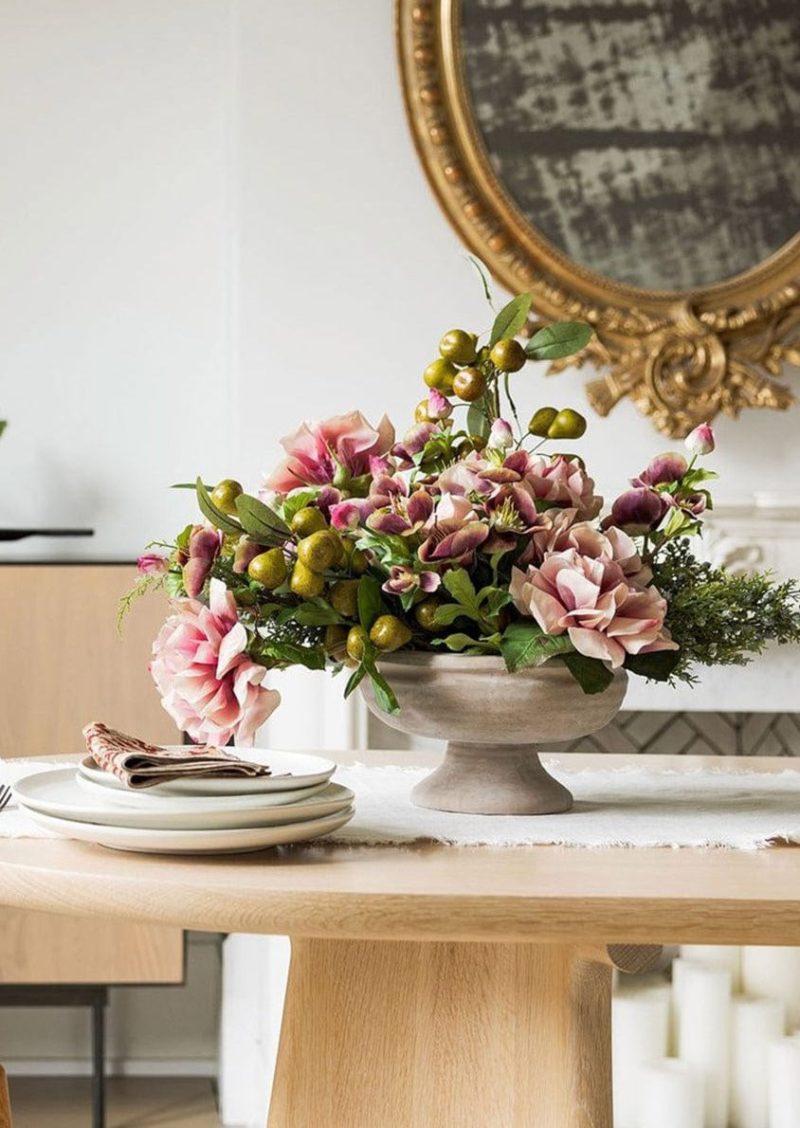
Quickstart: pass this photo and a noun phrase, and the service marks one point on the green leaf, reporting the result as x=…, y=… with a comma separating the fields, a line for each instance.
x=511, y=318
x=3, y=425
x=447, y=614
x=291, y=654
x=658, y=666
x=461, y=587
x=563, y=338
x=316, y=613
x=478, y=419
x=261, y=522
x=483, y=274
x=592, y=675
x=173, y=584
x=215, y=516
x=463, y=642
x=355, y=680
x=385, y=698
x=370, y=601
x=525, y=644
x=296, y=501
x=189, y=486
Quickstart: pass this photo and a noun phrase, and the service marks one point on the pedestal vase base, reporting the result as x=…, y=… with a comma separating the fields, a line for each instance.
x=492, y=779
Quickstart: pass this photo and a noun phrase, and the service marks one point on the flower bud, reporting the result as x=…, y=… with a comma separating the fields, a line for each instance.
x=701, y=440
x=439, y=407
x=151, y=564
x=501, y=437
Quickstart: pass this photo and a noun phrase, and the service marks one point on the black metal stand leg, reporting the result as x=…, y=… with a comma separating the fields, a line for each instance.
x=98, y=1065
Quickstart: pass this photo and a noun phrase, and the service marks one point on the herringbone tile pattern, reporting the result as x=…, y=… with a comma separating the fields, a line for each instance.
x=700, y=734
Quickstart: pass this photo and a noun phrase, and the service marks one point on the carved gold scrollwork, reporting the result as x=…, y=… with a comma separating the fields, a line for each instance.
x=682, y=359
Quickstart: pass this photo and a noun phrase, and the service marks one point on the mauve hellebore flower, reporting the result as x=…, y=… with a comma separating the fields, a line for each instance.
x=403, y=579
x=701, y=440
x=637, y=511
x=454, y=533
x=664, y=469
x=401, y=515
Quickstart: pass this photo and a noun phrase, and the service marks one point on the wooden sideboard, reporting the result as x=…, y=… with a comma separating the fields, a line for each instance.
x=63, y=663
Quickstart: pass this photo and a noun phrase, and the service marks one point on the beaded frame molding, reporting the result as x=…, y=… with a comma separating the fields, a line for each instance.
x=681, y=357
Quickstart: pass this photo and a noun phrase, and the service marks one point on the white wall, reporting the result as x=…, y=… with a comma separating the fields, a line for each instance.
x=214, y=225
x=115, y=123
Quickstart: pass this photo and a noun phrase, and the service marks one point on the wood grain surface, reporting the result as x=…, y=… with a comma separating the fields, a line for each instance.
x=413, y=1035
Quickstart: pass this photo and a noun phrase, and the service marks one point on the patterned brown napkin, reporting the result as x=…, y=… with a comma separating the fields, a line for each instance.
x=139, y=764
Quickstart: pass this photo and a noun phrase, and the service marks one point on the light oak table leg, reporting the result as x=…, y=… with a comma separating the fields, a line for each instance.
x=397, y=1034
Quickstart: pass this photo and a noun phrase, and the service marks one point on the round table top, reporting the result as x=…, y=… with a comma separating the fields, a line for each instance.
x=429, y=891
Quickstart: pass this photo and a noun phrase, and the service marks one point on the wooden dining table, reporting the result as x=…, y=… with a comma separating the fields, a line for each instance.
x=434, y=986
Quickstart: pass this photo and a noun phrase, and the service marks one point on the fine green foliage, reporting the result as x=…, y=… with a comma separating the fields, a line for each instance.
x=718, y=618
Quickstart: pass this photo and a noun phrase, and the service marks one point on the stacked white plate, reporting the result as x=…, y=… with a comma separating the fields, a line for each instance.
x=295, y=803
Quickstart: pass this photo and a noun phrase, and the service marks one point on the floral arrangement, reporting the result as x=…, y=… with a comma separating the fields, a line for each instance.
x=471, y=533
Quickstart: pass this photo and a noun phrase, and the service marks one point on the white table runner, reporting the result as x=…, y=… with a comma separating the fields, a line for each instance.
x=630, y=806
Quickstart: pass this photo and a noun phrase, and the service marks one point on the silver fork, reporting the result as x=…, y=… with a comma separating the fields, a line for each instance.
x=5, y=796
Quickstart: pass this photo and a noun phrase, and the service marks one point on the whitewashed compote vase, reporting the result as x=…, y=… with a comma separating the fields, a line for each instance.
x=496, y=725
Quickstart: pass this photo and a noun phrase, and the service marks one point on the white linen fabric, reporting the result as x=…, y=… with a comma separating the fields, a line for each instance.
x=630, y=806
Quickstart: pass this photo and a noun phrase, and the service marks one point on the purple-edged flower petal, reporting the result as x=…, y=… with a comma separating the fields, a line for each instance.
x=637, y=511
x=246, y=550
x=663, y=469
x=351, y=513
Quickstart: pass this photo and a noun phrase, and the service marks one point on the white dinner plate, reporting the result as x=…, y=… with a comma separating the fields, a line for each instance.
x=152, y=799
x=290, y=770
x=59, y=794
x=241, y=841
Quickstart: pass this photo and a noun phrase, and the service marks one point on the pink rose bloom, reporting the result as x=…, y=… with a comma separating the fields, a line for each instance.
x=330, y=453
x=590, y=599
x=151, y=564
x=208, y=684
x=563, y=481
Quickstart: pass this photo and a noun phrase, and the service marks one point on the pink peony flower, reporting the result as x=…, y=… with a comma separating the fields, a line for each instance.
x=208, y=684
x=557, y=531
x=563, y=481
x=204, y=546
x=701, y=440
x=604, y=615
x=330, y=453
x=151, y=564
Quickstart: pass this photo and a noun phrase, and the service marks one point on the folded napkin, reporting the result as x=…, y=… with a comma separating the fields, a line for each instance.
x=139, y=764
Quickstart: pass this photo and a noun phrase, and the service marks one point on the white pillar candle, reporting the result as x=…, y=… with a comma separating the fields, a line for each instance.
x=717, y=955
x=639, y=1031
x=679, y=968
x=671, y=1095
x=755, y=1023
x=775, y=974
x=783, y=1059
x=704, y=1035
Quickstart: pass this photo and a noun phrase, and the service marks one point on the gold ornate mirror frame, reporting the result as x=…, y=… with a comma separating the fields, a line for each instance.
x=682, y=357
